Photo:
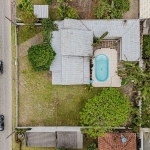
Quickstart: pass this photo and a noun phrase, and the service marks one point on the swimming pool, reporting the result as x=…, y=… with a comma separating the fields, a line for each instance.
x=101, y=67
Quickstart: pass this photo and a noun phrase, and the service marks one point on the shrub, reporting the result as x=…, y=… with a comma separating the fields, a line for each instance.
x=103, y=10
x=41, y=56
x=28, y=18
x=123, y=5
x=96, y=40
x=48, y=1
x=26, y=5
x=146, y=46
x=92, y=147
x=106, y=110
x=48, y=26
x=67, y=12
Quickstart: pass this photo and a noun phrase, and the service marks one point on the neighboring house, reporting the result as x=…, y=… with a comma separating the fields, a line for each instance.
x=117, y=141
x=144, y=9
x=58, y=137
x=73, y=46
x=145, y=138
x=144, y=15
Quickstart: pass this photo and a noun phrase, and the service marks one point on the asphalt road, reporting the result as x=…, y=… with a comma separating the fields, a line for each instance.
x=5, y=78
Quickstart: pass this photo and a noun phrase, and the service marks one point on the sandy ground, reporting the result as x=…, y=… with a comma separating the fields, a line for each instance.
x=5, y=78
x=134, y=10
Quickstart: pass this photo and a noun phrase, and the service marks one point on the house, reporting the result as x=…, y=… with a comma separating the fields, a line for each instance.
x=73, y=46
x=117, y=141
x=58, y=137
x=144, y=139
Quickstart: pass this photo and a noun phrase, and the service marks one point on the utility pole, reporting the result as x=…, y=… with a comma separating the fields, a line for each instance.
x=11, y=134
x=11, y=21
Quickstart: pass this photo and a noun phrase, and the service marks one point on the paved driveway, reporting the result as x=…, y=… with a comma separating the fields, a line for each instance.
x=5, y=79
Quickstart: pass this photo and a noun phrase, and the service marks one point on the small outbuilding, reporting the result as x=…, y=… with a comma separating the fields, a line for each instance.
x=58, y=137
x=41, y=11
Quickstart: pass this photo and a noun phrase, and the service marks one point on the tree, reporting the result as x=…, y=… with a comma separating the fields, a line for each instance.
x=41, y=56
x=106, y=110
x=92, y=147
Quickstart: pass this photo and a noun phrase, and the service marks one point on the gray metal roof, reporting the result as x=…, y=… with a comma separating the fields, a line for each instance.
x=40, y=139
x=69, y=140
x=146, y=141
x=76, y=42
x=41, y=11
x=71, y=64
x=127, y=30
x=60, y=136
x=74, y=69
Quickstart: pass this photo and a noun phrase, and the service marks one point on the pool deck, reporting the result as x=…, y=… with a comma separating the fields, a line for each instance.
x=113, y=80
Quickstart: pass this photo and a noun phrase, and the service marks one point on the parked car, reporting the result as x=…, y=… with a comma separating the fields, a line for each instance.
x=1, y=122
x=1, y=67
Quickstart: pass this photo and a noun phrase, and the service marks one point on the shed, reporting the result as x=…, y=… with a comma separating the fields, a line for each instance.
x=41, y=11
x=58, y=137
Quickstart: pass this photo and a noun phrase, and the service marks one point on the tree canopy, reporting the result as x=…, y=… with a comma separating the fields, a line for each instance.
x=41, y=56
x=106, y=110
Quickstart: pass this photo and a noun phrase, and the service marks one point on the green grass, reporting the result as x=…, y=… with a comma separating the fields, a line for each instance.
x=26, y=33
x=41, y=103
x=53, y=13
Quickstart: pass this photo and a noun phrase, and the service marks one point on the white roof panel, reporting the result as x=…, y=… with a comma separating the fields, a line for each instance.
x=144, y=9
x=41, y=11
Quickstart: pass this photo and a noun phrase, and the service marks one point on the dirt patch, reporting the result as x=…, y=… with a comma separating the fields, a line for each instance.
x=133, y=13
x=128, y=89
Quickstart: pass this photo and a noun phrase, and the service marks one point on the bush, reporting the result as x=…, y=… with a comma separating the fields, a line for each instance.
x=41, y=56
x=106, y=110
x=67, y=12
x=48, y=1
x=26, y=6
x=123, y=5
x=103, y=10
x=146, y=46
x=92, y=147
x=28, y=18
x=48, y=26
x=96, y=40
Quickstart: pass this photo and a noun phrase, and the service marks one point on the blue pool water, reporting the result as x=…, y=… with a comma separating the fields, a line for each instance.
x=101, y=67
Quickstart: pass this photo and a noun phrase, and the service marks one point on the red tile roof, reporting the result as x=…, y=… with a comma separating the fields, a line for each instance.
x=112, y=141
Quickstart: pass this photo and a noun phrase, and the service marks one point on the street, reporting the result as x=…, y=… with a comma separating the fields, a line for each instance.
x=5, y=78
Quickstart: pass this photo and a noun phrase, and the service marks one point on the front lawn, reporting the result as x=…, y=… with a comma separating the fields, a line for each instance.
x=41, y=103
x=26, y=32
